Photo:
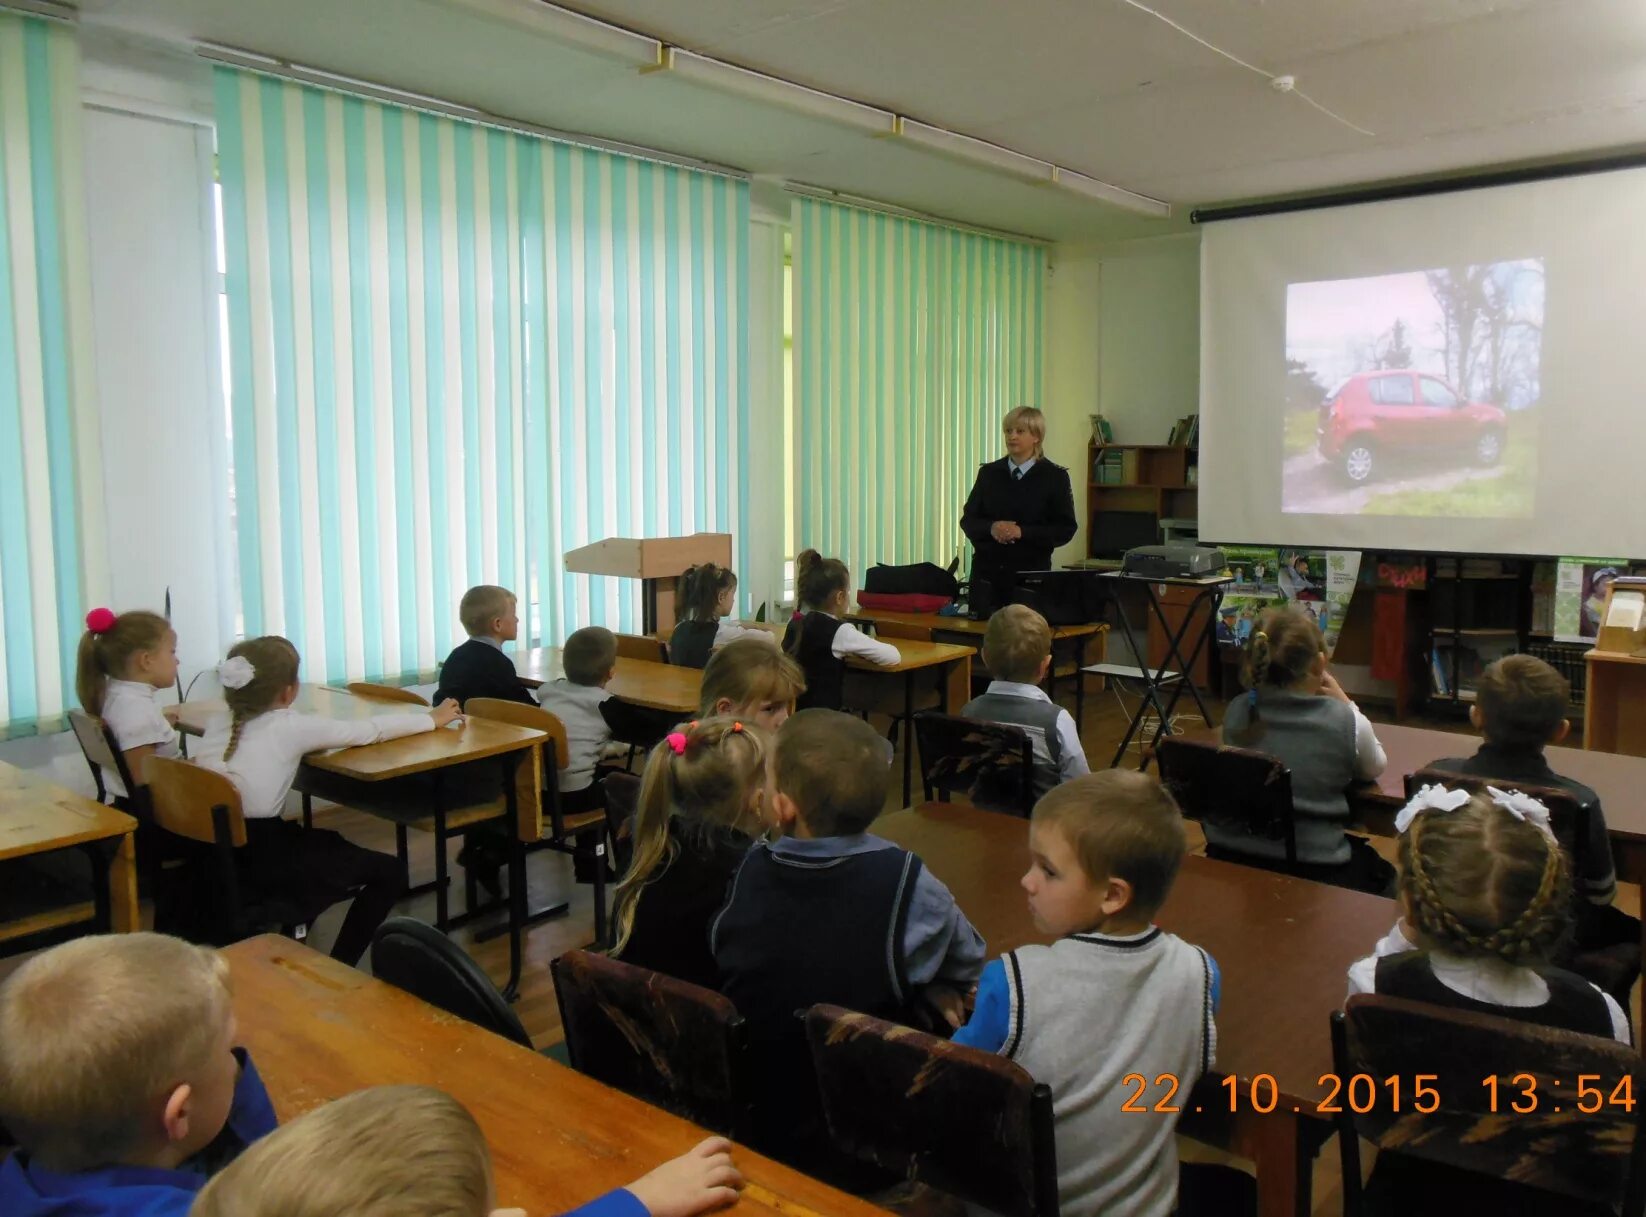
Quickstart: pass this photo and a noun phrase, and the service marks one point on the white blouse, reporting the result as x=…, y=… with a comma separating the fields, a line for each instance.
x=131, y=712
x=849, y=640
x=272, y=745
x=728, y=630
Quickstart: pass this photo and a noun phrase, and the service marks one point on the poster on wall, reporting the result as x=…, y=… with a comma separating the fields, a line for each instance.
x=1581, y=585
x=1319, y=581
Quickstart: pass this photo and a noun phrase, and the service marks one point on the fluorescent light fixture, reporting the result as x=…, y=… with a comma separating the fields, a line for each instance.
x=574, y=29
x=771, y=90
x=1079, y=183
x=975, y=151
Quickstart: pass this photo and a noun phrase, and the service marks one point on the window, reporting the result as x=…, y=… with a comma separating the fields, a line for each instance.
x=1393, y=391
x=1437, y=394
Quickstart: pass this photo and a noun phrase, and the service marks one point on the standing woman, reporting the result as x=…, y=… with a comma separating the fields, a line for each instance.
x=1021, y=507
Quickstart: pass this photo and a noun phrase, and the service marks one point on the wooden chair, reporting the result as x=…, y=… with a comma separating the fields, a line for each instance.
x=362, y=688
x=965, y=1122
x=621, y=792
x=991, y=763
x=1614, y=968
x=202, y=807
x=102, y=755
x=660, y=1039
x=1573, y=1158
x=564, y=830
x=418, y=958
x=642, y=646
x=1236, y=789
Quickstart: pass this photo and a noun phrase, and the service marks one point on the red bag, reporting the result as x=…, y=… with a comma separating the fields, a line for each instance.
x=903, y=602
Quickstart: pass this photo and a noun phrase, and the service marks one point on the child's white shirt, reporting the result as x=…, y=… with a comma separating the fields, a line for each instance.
x=132, y=714
x=727, y=630
x=273, y=745
x=1482, y=978
x=849, y=641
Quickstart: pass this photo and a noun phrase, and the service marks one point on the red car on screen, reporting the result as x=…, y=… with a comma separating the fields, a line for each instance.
x=1375, y=415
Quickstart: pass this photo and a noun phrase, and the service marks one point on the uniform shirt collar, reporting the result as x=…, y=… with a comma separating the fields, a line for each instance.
x=487, y=639
x=1012, y=688
x=1025, y=466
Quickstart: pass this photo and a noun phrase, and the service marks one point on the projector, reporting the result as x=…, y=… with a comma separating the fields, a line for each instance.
x=1174, y=561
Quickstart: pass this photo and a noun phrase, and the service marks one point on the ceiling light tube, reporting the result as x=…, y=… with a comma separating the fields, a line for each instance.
x=574, y=29
x=757, y=86
x=975, y=151
x=1079, y=183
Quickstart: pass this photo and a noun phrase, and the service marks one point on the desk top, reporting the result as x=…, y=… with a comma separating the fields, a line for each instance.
x=965, y=625
x=320, y=1030
x=1284, y=945
x=641, y=682
x=37, y=815
x=474, y=740
x=915, y=655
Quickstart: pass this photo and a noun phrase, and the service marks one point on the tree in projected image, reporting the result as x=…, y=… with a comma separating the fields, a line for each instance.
x=1491, y=329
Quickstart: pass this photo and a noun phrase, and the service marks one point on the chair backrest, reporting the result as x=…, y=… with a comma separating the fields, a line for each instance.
x=362, y=688
x=900, y=629
x=425, y=963
x=1568, y=818
x=621, y=792
x=991, y=763
x=966, y=1122
x=1237, y=789
x=1478, y=1066
x=99, y=751
x=555, y=758
x=640, y=646
x=671, y=1043
x=184, y=798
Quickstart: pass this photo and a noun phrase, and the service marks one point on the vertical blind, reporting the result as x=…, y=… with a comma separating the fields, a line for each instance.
x=911, y=342
x=51, y=541
x=457, y=352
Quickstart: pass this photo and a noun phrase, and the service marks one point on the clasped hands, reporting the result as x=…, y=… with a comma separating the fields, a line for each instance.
x=1005, y=532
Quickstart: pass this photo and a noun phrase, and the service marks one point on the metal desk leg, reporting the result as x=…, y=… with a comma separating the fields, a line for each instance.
x=908, y=736
x=442, y=920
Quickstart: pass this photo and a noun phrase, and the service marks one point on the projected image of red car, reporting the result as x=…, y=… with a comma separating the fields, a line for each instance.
x=1376, y=415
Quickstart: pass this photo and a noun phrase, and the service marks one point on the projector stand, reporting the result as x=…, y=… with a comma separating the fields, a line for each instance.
x=1208, y=588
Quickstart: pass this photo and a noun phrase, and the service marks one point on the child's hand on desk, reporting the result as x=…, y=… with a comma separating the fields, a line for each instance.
x=446, y=712
x=172, y=712
x=701, y=1179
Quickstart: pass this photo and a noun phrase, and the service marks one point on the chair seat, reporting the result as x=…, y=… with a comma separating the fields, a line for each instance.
x=583, y=820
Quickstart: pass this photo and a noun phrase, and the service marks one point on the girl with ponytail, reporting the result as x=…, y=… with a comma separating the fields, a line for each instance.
x=124, y=660
x=705, y=597
x=259, y=744
x=1294, y=710
x=703, y=799
x=818, y=640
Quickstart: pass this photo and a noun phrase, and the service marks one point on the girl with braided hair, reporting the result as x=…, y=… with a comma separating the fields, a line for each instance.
x=1296, y=711
x=704, y=798
x=1486, y=898
x=259, y=745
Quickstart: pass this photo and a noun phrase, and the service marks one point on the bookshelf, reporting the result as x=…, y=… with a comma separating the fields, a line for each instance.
x=1158, y=479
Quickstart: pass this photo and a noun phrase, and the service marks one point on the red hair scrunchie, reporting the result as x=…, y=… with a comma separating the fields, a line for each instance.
x=100, y=620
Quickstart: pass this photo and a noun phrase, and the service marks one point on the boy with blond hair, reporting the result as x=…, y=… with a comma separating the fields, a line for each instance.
x=1113, y=995
x=120, y=1078
x=1017, y=649
x=479, y=667
x=414, y=1151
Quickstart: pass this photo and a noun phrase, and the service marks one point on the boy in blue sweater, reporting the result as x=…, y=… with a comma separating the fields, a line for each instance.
x=120, y=1078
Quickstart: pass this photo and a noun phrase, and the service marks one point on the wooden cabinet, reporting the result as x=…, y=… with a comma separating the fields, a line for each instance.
x=1614, y=714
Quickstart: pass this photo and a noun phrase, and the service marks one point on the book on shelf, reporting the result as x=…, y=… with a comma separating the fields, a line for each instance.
x=1102, y=432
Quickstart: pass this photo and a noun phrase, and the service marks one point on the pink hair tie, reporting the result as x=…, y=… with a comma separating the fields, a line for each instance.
x=676, y=740
x=100, y=620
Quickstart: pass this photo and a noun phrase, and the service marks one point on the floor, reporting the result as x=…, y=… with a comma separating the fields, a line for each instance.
x=550, y=878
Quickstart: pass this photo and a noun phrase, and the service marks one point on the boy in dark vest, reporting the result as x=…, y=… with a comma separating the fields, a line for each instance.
x=1017, y=648
x=831, y=914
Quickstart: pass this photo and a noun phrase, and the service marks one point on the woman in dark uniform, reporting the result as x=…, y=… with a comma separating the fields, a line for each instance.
x=1020, y=509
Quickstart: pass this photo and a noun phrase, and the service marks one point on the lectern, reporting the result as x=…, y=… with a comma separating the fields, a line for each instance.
x=1614, y=705
x=657, y=562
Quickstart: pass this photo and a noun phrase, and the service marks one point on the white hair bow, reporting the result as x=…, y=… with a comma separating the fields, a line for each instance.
x=236, y=672
x=1430, y=798
x=1523, y=807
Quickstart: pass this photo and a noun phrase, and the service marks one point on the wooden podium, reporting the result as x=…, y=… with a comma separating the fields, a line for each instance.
x=657, y=562
x=1614, y=704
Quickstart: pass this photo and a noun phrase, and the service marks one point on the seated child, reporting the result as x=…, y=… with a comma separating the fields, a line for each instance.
x=1114, y=995
x=414, y=1151
x=1296, y=711
x=260, y=744
x=751, y=681
x=123, y=661
x=1017, y=649
x=705, y=596
x=1485, y=895
x=120, y=1078
x=831, y=914
x=592, y=717
x=818, y=640
x=480, y=667
x=1521, y=709
x=701, y=804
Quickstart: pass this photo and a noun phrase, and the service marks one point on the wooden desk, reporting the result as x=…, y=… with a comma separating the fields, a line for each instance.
x=641, y=682
x=320, y=1030
x=195, y=717
x=40, y=817
x=1614, y=704
x=1283, y=945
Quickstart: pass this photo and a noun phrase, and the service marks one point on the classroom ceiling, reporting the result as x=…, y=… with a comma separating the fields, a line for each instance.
x=1420, y=88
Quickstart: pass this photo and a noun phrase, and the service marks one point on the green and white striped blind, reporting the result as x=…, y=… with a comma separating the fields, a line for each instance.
x=911, y=342
x=51, y=538
x=457, y=352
